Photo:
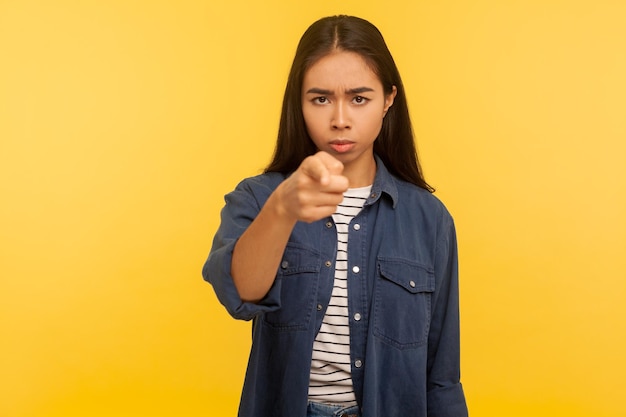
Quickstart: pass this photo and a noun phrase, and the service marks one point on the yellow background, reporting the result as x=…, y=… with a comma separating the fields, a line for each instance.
x=123, y=123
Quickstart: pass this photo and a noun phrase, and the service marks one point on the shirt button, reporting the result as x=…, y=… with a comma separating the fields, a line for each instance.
x=319, y=307
x=328, y=264
x=357, y=316
x=412, y=284
x=284, y=265
x=357, y=227
x=355, y=269
x=329, y=224
x=358, y=363
x=373, y=195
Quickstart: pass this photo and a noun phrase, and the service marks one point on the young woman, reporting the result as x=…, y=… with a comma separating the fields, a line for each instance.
x=339, y=252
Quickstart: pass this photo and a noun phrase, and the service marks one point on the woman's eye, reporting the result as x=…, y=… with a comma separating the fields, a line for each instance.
x=360, y=100
x=320, y=100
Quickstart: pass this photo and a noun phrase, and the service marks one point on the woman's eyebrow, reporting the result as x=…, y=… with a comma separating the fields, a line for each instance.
x=321, y=91
x=357, y=90
x=360, y=90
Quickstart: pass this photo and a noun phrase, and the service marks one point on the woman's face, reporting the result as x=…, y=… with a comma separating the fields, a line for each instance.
x=343, y=103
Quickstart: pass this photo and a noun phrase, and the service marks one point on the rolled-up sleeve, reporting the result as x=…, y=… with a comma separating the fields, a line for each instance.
x=445, y=393
x=242, y=206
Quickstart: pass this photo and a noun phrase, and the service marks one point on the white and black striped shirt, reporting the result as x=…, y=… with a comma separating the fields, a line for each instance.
x=331, y=381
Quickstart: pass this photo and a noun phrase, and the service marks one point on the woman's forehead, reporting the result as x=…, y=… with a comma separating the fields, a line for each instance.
x=341, y=68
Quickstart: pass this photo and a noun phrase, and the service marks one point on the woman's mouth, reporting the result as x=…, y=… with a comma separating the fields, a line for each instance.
x=342, y=145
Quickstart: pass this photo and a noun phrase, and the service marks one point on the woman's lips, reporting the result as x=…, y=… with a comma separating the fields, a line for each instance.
x=341, y=145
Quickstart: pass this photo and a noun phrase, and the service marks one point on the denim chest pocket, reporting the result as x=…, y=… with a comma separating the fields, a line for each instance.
x=402, y=302
x=297, y=276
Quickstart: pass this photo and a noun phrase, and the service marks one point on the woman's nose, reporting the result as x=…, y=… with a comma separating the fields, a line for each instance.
x=340, y=118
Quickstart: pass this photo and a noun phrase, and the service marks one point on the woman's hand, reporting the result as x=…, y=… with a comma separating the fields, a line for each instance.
x=314, y=190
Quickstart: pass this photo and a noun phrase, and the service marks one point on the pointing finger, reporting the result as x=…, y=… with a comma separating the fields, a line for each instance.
x=333, y=165
x=315, y=168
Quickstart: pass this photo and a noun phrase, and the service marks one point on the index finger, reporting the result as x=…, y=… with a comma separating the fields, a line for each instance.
x=315, y=168
x=333, y=164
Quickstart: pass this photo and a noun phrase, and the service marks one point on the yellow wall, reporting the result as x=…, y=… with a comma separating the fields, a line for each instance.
x=122, y=124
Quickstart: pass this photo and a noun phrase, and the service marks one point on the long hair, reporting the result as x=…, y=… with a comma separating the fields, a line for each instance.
x=395, y=143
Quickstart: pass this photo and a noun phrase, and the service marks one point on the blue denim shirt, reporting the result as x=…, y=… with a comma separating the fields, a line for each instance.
x=402, y=282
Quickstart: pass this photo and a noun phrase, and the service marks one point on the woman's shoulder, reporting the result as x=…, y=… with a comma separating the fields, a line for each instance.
x=411, y=196
x=258, y=187
x=265, y=180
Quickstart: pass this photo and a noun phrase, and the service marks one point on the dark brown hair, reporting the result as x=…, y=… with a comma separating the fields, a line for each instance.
x=395, y=143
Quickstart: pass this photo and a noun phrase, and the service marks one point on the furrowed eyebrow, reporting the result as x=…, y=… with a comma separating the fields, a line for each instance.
x=360, y=90
x=357, y=90
x=319, y=91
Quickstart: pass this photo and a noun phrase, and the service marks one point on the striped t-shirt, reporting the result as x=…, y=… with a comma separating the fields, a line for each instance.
x=331, y=380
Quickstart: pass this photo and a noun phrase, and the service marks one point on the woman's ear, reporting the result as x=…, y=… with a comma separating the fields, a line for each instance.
x=389, y=99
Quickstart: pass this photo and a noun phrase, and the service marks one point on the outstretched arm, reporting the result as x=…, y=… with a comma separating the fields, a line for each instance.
x=311, y=193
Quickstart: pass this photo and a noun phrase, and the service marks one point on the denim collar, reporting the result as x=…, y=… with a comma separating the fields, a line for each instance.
x=384, y=182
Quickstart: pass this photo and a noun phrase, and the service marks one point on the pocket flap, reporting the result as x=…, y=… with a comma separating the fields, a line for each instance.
x=299, y=259
x=410, y=275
